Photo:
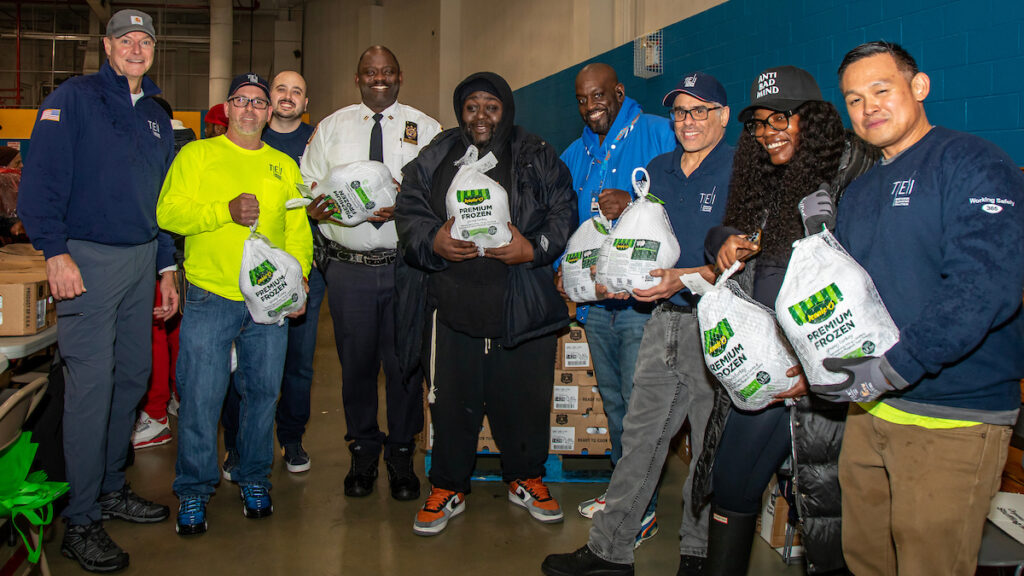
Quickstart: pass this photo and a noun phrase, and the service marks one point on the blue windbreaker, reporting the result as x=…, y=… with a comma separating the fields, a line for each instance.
x=96, y=166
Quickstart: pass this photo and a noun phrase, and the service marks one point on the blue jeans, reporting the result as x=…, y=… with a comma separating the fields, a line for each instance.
x=208, y=327
x=614, y=337
x=293, y=407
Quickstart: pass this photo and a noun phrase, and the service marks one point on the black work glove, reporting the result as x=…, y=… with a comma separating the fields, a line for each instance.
x=868, y=378
x=818, y=210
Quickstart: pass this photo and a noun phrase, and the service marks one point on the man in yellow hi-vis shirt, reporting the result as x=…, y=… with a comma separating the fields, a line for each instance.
x=215, y=190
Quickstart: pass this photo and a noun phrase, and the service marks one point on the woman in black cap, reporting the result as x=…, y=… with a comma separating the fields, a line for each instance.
x=793, y=144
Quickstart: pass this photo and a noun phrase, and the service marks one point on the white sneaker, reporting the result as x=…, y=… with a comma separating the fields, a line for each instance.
x=150, y=432
x=593, y=506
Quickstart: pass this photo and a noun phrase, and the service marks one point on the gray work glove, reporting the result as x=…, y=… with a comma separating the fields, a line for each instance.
x=818, y=210
x=868, y=378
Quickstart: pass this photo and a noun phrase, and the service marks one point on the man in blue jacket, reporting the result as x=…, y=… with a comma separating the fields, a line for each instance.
x=938, y=224
x=617, y=137
x=100, y=149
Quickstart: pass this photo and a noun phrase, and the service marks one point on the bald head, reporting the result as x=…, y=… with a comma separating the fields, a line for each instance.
x=598, y=71
x=599, y=96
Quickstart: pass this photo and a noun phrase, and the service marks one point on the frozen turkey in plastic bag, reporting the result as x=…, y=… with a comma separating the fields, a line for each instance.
x=358, y=189
x=641, y=241
x=478, y=203
x=743, y=345
x=829, y=307
x=270, y=280
x=580, y=255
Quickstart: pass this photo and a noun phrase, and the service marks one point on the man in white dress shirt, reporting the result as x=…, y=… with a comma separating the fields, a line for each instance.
x=358, y=265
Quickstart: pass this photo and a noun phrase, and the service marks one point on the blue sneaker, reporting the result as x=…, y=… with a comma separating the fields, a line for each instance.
x=191, y=516
x=648, y=528
x=256, y=500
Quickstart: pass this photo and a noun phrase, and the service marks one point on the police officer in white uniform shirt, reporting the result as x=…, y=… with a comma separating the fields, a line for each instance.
x=358, y=265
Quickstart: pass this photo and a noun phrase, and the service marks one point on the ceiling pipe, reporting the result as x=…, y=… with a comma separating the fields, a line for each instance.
x=220, y=50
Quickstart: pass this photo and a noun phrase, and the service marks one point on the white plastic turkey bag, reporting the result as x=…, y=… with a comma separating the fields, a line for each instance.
x=580, y=254
x=641, y=241
x=829, y=307
x=743, y=345
x=270, y=280
x=358, y=189
x=478, y=203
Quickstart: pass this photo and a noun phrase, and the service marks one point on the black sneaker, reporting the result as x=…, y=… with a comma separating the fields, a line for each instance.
x=126, y=505
x=362, y=474
x=295, y=458
x=583, y=562
x=404, y=483
x=92, y=548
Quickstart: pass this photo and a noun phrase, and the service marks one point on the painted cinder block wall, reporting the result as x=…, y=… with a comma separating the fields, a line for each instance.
x=973, y=50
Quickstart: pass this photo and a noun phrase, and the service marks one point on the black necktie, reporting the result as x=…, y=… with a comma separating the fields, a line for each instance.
x=377, y=148
x=377, y=139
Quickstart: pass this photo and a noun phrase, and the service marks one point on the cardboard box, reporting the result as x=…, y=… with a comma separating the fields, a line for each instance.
x=575, y=392
x=573, y=351
x=774, y=522
x=580, y=433
x=26, y=306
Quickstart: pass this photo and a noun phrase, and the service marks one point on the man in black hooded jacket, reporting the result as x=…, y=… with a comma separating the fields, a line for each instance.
x=484, y=324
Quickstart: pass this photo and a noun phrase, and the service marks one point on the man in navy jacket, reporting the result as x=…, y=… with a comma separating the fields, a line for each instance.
x=100, y=149
x=938, y=224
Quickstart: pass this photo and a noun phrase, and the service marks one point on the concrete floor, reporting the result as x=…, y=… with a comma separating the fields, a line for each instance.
x=316, y=530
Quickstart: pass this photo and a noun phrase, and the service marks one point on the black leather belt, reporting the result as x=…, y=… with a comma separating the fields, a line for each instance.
x=378, y=257
x=672, y=307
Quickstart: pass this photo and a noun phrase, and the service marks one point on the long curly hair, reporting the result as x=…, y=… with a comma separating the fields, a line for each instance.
x=758, y=186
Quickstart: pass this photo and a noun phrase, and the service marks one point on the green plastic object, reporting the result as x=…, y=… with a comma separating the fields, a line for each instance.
x=24, y=494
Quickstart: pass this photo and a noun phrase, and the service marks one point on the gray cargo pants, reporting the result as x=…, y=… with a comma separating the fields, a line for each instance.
x=671, y=382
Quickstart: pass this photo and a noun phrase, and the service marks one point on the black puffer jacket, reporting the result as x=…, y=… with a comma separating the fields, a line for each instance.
x=542, y=206
x=817, y=425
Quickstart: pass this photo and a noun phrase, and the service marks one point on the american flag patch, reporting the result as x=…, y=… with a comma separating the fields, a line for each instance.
x=51, y=114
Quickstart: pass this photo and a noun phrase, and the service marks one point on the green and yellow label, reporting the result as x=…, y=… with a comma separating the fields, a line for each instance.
x=471, y=197
x=357, y=187
x=716, y=339
x=622, y=244
x=750, y=389
x=262, y=273
x=818, y=307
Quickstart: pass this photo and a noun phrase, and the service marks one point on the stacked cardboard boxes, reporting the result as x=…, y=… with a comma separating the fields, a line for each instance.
x=26, y=306
x=578, y=423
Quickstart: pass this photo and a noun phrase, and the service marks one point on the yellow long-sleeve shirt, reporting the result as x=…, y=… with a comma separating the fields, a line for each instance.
x=205, y=176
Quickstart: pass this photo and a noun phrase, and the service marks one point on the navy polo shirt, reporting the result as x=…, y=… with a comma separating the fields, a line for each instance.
x=694, y=203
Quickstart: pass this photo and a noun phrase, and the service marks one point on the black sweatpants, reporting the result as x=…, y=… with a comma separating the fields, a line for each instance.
x=513, y=386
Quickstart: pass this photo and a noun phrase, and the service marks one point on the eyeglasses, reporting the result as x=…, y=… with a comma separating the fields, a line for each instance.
x=699, y=113
x=242, y=102
x=778, y=121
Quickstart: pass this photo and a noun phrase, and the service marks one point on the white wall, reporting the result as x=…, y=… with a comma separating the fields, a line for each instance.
x=439, y=42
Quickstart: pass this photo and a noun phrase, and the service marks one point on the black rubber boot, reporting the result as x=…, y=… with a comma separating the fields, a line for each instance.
x=730, y=538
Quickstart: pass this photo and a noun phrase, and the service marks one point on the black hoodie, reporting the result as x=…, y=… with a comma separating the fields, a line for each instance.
x=542, y=206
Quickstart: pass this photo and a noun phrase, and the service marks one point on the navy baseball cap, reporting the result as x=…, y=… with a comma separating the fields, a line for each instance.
x=699, y=85
x=781, y=89
x=249, y=79
x=125, y=21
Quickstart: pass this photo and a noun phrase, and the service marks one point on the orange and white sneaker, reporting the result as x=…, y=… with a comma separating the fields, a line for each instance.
x=442, y=505
x=534, y=496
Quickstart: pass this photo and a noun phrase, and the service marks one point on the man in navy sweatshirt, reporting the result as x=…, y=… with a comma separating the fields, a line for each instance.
x=939, y=226
x=100, y=149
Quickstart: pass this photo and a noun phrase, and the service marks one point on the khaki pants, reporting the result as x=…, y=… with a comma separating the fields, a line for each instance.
x=915, y=499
